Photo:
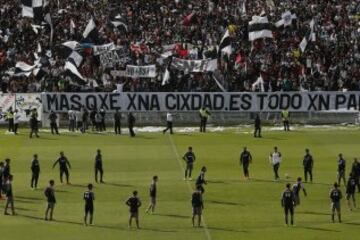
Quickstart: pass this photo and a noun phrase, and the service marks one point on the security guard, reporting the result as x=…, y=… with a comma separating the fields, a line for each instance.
x=204, y=115
x=285, y=118
x=34, y=128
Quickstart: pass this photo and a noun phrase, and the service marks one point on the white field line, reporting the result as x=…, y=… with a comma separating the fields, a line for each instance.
x=206, y=230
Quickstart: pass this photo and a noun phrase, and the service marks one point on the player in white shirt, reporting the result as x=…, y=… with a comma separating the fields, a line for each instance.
x=169, y=123
x=275, y=160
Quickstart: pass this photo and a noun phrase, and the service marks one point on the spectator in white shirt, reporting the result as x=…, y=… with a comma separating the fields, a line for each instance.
x=169, y=123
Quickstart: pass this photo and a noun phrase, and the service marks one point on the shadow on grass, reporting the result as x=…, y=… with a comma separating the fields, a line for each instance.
x=226, y=229
x=25, y=209
x=29, y=198
x=352, y=223
x=172, y=215
x=217, y=182
x=117, y=184
x=68, y=222
x=314, y=213
x=318, y=229
x=144, y=137
x=224, y=203
x=157, y=230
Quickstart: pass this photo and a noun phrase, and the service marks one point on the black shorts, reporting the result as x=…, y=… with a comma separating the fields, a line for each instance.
x=197, y=211
x=189, y=166
x=288, y=209
x=89, y=209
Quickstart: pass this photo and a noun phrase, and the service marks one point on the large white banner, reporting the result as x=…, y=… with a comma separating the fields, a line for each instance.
x=193, y=101
x=25, y=102
x=7, y=101
x=22, y=102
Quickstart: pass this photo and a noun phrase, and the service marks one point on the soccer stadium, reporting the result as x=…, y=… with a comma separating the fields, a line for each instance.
x=179, y=119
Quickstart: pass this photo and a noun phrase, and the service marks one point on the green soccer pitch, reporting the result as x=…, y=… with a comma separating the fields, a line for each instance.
x=234, y=208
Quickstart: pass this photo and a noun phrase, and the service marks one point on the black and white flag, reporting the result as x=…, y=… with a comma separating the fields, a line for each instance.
x=259, y=27
x=225, y=44
x=120, y=23
x=34, y=8
x=90, y=32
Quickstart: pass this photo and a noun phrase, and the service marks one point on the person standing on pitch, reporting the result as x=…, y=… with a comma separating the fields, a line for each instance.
x=341, y=169
x=257, y=125
x=200, y=181
x=350, y=191
x=355, y=170
x=72, y=120
x=10, y=119
x=169, y=123
x=99, y=166
x=103, y=115
x=16, y=121
x=131, y=123
x=288, y=203
x=297, y=187
x=189, y=158
x=117, y=122
x=245, y=160
x=335, y=197
x=51, y=200
x=85, y=119
x=285, y=115
x=197, y=206
x=34, y=125
x=134, y=204
x=89, y=198
x=204, y=115
x=153, y=193
x=35, y=172
x=6, y=169
x=98, y=120
x=275, y=160
x=63, y=164
x=9, y=195
x=308, y=164
x=53, y=123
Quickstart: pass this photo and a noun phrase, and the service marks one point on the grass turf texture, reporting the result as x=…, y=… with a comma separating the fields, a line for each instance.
x=234, y=208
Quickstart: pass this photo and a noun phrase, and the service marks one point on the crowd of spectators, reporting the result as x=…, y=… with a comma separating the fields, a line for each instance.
x=330, y=63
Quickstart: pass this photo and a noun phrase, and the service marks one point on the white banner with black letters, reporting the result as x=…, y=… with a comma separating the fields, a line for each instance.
x=207, y=65
x=193, y=101
x=141, y=71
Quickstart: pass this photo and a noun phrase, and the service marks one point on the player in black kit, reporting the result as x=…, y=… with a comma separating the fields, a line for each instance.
x=89, y=198
x=99, y=166
x=134, y=204
x=355, y=170
x=350, y=191
x=197, y=206
x=35, y=172
x=189, y=158
x=257, y=125
x=288, y=203
x=51, y=200
x=153, y=194
x=308, y=164
x=200, y=181
x=64, y=164
x=245, y=160
x=335, y=196
x=297, y=187
x=341, y=169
